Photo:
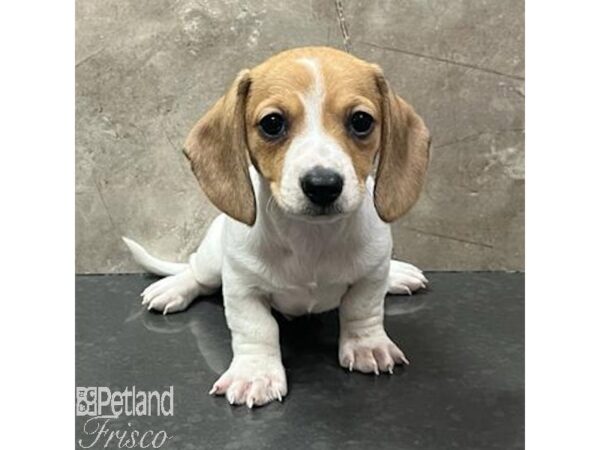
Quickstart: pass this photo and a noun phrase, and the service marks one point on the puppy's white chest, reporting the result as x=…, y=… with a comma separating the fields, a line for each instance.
x=309, y=298
x=306, y=281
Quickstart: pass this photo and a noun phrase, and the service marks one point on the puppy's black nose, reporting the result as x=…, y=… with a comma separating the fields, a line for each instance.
x=322, y=186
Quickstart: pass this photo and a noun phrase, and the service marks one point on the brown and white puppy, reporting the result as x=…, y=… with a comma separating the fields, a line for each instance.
x=287, y=155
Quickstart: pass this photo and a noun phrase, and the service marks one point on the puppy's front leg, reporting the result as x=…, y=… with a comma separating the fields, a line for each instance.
x=364, y=345
x=256, y=375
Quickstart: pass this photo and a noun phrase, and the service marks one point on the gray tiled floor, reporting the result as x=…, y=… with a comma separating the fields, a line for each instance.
x=464, y=388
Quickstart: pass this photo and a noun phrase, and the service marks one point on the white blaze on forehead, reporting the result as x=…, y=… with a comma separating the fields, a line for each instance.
x=317, y=145
x=313, y=99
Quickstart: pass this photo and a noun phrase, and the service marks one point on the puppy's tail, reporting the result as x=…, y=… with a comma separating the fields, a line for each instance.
x=152, y=264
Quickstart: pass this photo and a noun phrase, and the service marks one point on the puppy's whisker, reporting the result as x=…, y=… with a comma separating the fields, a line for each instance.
x=270, y=204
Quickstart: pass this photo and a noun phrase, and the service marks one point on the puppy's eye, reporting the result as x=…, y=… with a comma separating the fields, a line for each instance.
x=361, y=124
x=272, y=125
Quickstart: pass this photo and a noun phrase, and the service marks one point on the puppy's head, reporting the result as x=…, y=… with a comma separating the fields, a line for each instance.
x=313, y=122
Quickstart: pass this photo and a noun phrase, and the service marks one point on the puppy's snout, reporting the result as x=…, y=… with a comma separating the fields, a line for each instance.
x=322, y=186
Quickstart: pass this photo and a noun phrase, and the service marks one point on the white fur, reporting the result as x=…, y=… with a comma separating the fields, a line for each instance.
x=154, y=265
x=295, y=266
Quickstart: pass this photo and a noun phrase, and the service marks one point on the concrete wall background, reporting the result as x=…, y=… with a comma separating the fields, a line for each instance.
x=146, y=71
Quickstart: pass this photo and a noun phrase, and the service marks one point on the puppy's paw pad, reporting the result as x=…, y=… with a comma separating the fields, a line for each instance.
x=370, y=355
x=252, y=382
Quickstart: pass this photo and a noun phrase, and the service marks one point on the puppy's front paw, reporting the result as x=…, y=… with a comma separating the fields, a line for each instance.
x=405, y=278
x=370, y=354
x=171, y=294
x=252, y=380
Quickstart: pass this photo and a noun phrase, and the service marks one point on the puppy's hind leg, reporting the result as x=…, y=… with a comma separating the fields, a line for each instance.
x=405, y=278
x=202, y=276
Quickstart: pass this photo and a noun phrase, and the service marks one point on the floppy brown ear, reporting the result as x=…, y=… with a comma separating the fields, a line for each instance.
x=218, y=152
x=403, y=155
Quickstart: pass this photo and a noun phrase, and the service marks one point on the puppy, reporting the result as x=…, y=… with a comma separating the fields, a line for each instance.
x=287, y=154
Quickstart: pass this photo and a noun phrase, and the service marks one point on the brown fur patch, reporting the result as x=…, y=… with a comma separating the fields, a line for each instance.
x=275, y=85
x=217, y=150
x=403, y=157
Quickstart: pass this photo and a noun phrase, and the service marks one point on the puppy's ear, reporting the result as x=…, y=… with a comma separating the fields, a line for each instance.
x=218, y=152
x=403, y=154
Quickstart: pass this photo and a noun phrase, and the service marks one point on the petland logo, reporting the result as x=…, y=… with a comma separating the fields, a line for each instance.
x=102, y=406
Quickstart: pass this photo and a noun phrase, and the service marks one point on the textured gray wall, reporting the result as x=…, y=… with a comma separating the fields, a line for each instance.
x=146, y=71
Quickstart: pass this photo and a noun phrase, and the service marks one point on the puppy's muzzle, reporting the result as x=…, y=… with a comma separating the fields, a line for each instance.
x=322, y=186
